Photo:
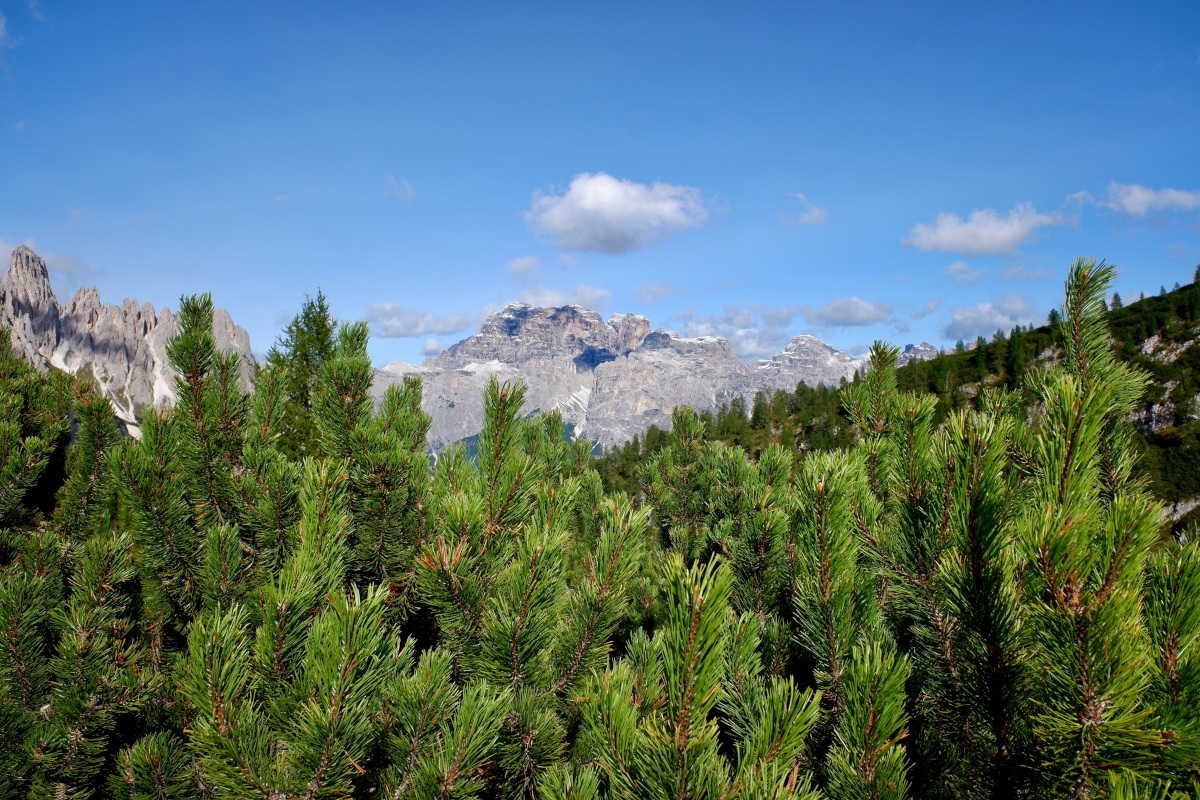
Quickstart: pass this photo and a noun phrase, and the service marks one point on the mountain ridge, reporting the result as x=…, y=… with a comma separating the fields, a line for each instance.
x=122, y=347
x=611, y=379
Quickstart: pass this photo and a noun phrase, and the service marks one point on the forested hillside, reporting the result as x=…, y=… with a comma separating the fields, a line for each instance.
x=1156, y=334
x=932, y=602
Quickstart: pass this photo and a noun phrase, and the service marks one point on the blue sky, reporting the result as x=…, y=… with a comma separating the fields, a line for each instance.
x=907, y=171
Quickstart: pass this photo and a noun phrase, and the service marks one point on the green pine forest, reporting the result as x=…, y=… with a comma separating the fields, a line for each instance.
x=944, y=581
x=811, y=419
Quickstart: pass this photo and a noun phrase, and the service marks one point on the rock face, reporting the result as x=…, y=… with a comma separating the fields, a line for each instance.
x=916, y=352
x=122, y=347
x=610, y=379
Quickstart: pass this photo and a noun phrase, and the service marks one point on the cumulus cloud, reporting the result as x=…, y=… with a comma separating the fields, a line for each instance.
x=983, y=232
x=593, y=297
x=524, y=265
x=984, y=319
x=392, y=321
x=847, y=312
x=432, y=347
x=603, y=214
x=652, y=292
x=810, y=213
x=926, y=310
x=1020, y=272
x=754, y=331
x=1141, y=201
x=964, y=273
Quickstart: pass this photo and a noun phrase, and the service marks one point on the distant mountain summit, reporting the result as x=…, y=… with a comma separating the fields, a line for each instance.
x=122, y=348
x=610, y=379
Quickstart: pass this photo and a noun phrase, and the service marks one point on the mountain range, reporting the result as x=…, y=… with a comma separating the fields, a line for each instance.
x=610, y=378
x=122, y=348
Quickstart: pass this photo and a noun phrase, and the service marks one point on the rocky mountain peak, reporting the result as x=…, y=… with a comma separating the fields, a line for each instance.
x=610, y=379
x=916, y=352
x=122, y=348
x=26, y=285
x=521, y=333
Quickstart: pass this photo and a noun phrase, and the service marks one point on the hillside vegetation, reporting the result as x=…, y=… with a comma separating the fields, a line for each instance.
x=1156, y=334
x=974, y=601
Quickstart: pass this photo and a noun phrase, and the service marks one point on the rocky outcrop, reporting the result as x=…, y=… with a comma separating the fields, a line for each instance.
x=917, y=352
x=611, y=378
x=122, y=348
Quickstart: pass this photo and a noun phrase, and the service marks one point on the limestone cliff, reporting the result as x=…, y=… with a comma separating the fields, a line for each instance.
x=123, y=348
x=610, y=379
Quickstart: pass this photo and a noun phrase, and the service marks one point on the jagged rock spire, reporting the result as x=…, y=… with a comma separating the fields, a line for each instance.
x=122, y=347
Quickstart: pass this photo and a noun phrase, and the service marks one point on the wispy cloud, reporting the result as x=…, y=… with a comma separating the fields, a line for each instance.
x=964, y=274
x=67, y=271
x=1020, y=272
x=847, y=312
x=652, y=292
x=74, y=221
x=1136, y=200
x=392, y=321
x=523, y=265
x=926, y=310
x=400, y=189
x=6, y=39
x=432, y=347
x=983, y=319
x=593, y=297
x=754, y=331
x=810, y=213
x=603, y=214
x=983, y=232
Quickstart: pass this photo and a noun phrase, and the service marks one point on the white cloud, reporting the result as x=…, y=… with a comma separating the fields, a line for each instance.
x=389, y=321
x=401, y=190
x=984, y=319
x=524, y=265
x=567, y=260
x=926, y=309
x=652, y=292
x=983, y=232
x=1020, y=272
x=604, y=214
x=754, y=331
x=847, y=312
x=593, y=297
x=811, y=212
x=964, y=273
x=432, y=347
x=1141, y=201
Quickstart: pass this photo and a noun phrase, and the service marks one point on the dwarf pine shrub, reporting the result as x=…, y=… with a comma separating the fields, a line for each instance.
x=981, y=604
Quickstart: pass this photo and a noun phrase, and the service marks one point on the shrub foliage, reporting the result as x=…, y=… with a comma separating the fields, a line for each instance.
x=982, y=604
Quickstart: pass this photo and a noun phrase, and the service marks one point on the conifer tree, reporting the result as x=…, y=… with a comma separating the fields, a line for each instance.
x=300, y=353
